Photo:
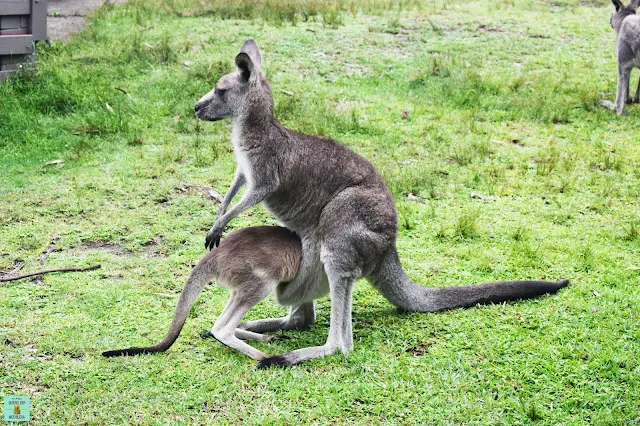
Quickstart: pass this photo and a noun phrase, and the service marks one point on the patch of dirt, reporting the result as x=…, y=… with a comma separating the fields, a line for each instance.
x=488, y=29
x=156, y=248
x=114, y=248
x=420, y=349
x=18, y=264
x=66, y=17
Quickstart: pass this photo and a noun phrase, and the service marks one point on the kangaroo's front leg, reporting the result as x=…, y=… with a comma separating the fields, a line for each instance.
x=252, y=197
x=238, y=182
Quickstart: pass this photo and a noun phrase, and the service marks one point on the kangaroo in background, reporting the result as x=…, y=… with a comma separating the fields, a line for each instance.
x=336, y=202
x=250, y=262
x=627, y=26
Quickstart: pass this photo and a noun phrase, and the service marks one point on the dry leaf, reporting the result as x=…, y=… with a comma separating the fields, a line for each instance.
x=109, y=107
x=58, y=163
x=287, y=92
x=412, y=197
x=482, y=197
x=165, y=295
x=634, y=268
x=210, y=193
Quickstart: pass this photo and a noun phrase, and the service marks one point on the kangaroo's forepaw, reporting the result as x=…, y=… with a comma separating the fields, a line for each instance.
x=213, y=238
x=273, y=361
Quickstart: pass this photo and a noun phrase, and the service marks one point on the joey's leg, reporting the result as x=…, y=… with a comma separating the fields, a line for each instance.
x=225, y=327
x=341, y=282
x=250, y=335
x=250, y=198
x=300, y=318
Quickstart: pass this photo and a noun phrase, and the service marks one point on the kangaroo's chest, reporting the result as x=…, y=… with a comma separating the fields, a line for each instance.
x=241, y=156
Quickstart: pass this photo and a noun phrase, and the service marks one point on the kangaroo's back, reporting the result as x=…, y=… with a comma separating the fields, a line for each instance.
x=264, y=251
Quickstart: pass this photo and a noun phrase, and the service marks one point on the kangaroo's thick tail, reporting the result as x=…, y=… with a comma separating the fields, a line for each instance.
x=391, y=280
x=199, y=277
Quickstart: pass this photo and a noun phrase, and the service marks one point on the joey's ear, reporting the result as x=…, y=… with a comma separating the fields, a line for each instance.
x=618, y=4
x=634, y=4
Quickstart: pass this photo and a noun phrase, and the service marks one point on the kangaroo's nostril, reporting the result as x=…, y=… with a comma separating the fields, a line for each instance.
x=197, y=107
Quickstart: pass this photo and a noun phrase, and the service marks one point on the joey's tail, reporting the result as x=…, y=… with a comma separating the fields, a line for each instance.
x=391, y=280
x=199, y=277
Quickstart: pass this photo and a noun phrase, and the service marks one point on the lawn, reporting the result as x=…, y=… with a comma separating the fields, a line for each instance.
x=483, y=117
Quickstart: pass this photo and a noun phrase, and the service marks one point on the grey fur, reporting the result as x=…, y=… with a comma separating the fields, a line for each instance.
x=336, y=202
x=250, y=262
x=627, y=26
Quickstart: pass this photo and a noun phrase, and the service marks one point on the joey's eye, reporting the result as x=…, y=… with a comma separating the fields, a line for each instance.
x=220, y=92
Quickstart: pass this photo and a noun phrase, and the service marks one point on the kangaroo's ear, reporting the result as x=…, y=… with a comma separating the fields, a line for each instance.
x=618, y=4
x=634, y=4
x=251, y=48
x=249, y=60
x=246, y=67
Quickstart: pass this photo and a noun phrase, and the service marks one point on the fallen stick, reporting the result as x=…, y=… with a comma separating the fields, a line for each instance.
x=48, y=271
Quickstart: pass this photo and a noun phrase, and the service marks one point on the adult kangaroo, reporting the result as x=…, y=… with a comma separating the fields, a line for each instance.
x=339, y=206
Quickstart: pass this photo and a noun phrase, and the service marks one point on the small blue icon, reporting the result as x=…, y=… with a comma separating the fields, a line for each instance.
x=16, y=409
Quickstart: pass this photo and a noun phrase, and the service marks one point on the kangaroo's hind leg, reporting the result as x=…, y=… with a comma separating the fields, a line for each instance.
x=300, y=318
x=224, y=330
x=636, y=98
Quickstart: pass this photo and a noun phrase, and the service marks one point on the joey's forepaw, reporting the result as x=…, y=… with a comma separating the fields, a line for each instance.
x=273, y=361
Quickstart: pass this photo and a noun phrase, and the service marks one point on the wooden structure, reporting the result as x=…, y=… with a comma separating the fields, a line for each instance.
x=22, y=22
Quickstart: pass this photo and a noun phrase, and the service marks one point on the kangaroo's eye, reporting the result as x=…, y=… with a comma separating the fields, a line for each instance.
x=220, y=92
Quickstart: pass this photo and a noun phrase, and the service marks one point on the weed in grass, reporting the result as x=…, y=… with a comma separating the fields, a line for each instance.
x=414, y=178
x=520, y=233
x=209, y=71
x=586, y=259
x=407, y=222
x=466, y=226
x=547, y=161
x=631, y=231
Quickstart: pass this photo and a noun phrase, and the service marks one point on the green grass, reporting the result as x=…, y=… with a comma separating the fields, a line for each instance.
x=497, y=98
